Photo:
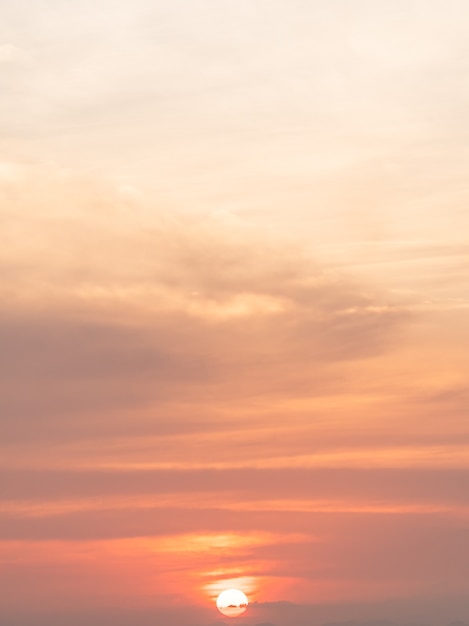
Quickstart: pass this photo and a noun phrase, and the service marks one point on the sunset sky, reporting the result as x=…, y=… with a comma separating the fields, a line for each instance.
x=234, y=336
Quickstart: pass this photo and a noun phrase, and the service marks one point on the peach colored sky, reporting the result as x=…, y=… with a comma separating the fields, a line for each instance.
x=233, y=317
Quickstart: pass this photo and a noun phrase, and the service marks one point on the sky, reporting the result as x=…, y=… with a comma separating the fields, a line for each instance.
x=233, y=312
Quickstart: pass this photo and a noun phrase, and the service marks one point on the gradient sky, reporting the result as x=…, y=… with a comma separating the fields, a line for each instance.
x=234, y=308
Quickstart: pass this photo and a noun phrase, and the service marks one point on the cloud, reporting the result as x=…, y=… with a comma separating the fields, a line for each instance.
x=103, y=311
x=397, y=487
x=177, y=354
x=404, y=485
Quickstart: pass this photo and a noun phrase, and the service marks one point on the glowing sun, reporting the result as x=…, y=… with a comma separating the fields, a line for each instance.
x=232, y=602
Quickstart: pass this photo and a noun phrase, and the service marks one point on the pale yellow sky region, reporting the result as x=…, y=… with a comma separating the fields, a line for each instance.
x=234, y=336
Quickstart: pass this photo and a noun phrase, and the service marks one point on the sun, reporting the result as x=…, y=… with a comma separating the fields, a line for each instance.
x=232, y=602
